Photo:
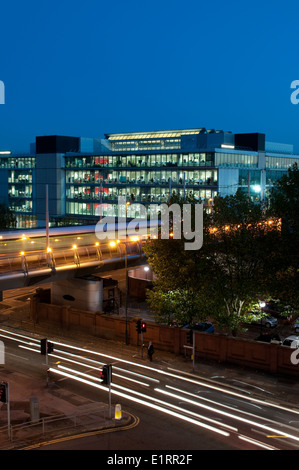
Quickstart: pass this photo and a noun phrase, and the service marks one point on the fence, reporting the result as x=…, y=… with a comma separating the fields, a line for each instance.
x=217, y=347
x=58, y=424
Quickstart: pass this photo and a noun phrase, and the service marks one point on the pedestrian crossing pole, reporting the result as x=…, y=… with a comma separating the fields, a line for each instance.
x=4, y=398
x=110, y=380
x=193, y=351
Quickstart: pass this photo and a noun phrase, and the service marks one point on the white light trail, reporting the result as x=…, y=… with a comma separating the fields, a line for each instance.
x=159, y=371
x=186, y=379
x=97, y=379
x=228, y=415
x=120, y=387
x=142, y=402
x=169, y=405
x=257, y=443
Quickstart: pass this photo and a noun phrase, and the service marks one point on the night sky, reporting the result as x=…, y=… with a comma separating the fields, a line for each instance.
x=85, y=68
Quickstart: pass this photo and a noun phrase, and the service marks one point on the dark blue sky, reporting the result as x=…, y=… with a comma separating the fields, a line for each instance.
x=94, y=67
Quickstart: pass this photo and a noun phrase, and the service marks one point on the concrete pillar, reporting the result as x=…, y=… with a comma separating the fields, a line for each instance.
x=65, y=317
x=85, y=293
x=34, y=308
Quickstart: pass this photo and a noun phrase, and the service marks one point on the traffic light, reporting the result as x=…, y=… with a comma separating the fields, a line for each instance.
x=190, y=337
x=43, y=346
x=46, y=347
x=3, y=392
x=106, y=374
x=138, y=326
x=143, y=327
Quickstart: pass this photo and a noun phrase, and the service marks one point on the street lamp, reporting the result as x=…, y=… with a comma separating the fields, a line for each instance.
x=146, y=269
x=126, y=269
x=113, y=244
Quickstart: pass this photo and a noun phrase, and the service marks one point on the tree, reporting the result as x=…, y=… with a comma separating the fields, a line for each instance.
x=284, y=204
x=284, y=200
x=222, y=278
x=241, y=247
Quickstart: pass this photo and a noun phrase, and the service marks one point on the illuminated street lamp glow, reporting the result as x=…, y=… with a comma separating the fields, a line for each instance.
x=256, y=188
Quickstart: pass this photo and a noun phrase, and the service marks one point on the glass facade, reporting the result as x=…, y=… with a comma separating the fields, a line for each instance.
x=238, y=160
x=280, y=162
x=20, y=188
x=142, y=168
x=142, y=178
x=17, y=162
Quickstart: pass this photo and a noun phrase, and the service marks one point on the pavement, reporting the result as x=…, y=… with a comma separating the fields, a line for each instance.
x=61, y=415
x=65, y=415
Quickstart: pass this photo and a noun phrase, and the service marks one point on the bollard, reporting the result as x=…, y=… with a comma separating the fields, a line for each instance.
x=34, y=410
x=117, y=413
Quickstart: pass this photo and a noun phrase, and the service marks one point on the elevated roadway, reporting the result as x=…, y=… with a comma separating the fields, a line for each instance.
x=71, y=252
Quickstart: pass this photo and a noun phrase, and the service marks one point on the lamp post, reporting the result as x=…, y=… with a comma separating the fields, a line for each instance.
x=126, y=273
x=126, y=269
x=47, y=218
x=113, y=244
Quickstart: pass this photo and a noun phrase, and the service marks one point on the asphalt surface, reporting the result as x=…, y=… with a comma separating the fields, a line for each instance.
x=81, y=416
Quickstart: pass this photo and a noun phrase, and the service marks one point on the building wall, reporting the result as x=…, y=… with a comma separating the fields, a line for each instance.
x=228, y=181
x=4, y=187
x=90, y=172
x=50, y=171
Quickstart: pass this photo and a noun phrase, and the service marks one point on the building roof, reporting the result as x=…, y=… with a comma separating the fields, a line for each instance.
x=161, y=134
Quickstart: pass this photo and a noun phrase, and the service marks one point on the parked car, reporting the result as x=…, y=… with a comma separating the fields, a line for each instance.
x=206, y=326
x=291, y=341
x=268, y=322
x=269, y=338
x=295, y=326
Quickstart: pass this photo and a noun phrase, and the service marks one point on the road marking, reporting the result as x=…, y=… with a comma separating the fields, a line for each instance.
x=135, y=423
x=15, y=355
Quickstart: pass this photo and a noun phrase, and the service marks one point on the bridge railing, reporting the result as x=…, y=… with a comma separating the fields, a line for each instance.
x=78, y=255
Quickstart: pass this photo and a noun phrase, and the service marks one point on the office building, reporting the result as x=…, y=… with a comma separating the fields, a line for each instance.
x=84, y=177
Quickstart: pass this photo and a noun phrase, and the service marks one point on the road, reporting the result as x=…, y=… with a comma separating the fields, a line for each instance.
x=177, y=410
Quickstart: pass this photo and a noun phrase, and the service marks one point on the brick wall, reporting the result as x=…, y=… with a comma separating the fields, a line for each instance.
x=220, y=348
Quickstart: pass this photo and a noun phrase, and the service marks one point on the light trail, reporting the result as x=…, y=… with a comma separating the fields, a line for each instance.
x=97, y=379
x=142, y=395
x=144, y=403
x=169, y=374
x=228, y=415
x=255, y=442
x=190, y=380
x=30, y=343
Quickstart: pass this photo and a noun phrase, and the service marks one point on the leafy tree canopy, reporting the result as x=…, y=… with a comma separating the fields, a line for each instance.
x=221, y=279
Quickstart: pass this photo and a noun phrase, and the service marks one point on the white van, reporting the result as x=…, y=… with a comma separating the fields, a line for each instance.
x=291, y=341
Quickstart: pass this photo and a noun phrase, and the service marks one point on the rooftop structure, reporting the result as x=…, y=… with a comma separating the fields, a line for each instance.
x=86, y=176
